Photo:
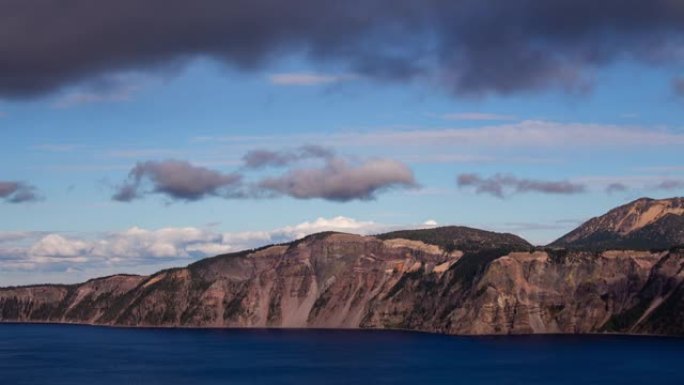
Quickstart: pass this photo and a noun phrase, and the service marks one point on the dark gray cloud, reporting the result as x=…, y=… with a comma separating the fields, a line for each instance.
x=470, y=46
x=177, y=180
x=265, y=158
x=341, y=181
x=616, y=187
x=501, y=185
x=18, y=192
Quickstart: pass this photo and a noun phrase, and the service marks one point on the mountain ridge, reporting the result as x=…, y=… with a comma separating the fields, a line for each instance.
x=641, y=224
x=453, y=280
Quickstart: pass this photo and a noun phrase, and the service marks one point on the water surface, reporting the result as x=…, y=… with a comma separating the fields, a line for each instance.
x=65, y=354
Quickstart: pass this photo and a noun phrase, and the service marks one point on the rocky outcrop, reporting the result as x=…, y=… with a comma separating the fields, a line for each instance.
x=642, y=224
x=403, y=280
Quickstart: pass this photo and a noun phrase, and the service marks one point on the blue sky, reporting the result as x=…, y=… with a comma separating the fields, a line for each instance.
x=584, y=150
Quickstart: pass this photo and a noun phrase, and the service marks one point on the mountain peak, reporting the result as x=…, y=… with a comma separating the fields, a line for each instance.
x=631, y=225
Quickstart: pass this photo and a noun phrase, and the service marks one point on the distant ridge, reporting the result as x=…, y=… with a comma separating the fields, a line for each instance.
x=642, y=224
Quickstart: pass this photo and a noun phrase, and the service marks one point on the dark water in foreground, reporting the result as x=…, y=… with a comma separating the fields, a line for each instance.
x=54, y=354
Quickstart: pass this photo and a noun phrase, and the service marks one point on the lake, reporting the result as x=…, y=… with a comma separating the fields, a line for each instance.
x=67, y=354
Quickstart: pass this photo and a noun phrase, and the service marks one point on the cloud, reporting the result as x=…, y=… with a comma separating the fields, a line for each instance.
x=643, y=183
x=57, y=147
x=56, y=248
x=15, y=236
x=678, y=86
x=471, y=47
x=307, y=79
x=89, y=96
x=677, y=168
x=670, y=184
x=139, y=244
x=18, y=192
x=177, y=180
x=132, y=247
x=341, y=181
x=337, y=179
x=477, y=116
x=338, y=223
x=265, y=158
x=128, y=153
x=104, y=89
x=529, y=133
x=616, y=187
x=501, y=185
x=524, y=134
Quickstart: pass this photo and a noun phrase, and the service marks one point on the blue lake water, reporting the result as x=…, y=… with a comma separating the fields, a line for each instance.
x=63, y=354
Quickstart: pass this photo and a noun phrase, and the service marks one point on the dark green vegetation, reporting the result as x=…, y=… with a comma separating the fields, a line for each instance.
x=466, y=239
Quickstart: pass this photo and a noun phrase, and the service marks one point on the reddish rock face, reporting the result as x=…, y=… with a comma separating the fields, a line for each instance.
x=337, y=280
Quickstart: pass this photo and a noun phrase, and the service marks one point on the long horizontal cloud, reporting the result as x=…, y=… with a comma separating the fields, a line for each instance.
x=18, y=192
x=463, y=43
x=524, y=134
x=644, y=184
x=177, y=180
x=337, y=179
x=501, y=185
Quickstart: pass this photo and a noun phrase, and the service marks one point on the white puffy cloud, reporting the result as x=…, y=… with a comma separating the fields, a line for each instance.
x=56, y=248
x=338, y=223
x=210, y=248
x=136, y=246
x=137, y=243
x=250, y=239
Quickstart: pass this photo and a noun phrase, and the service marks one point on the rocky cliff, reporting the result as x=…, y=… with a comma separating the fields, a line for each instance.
x=407, y=280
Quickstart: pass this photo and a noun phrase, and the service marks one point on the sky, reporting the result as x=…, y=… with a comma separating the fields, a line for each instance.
x=135, y=139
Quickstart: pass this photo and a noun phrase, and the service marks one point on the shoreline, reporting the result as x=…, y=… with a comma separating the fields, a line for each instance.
x=319, y=329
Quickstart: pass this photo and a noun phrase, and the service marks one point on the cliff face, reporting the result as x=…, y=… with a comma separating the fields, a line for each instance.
x=338, y=280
